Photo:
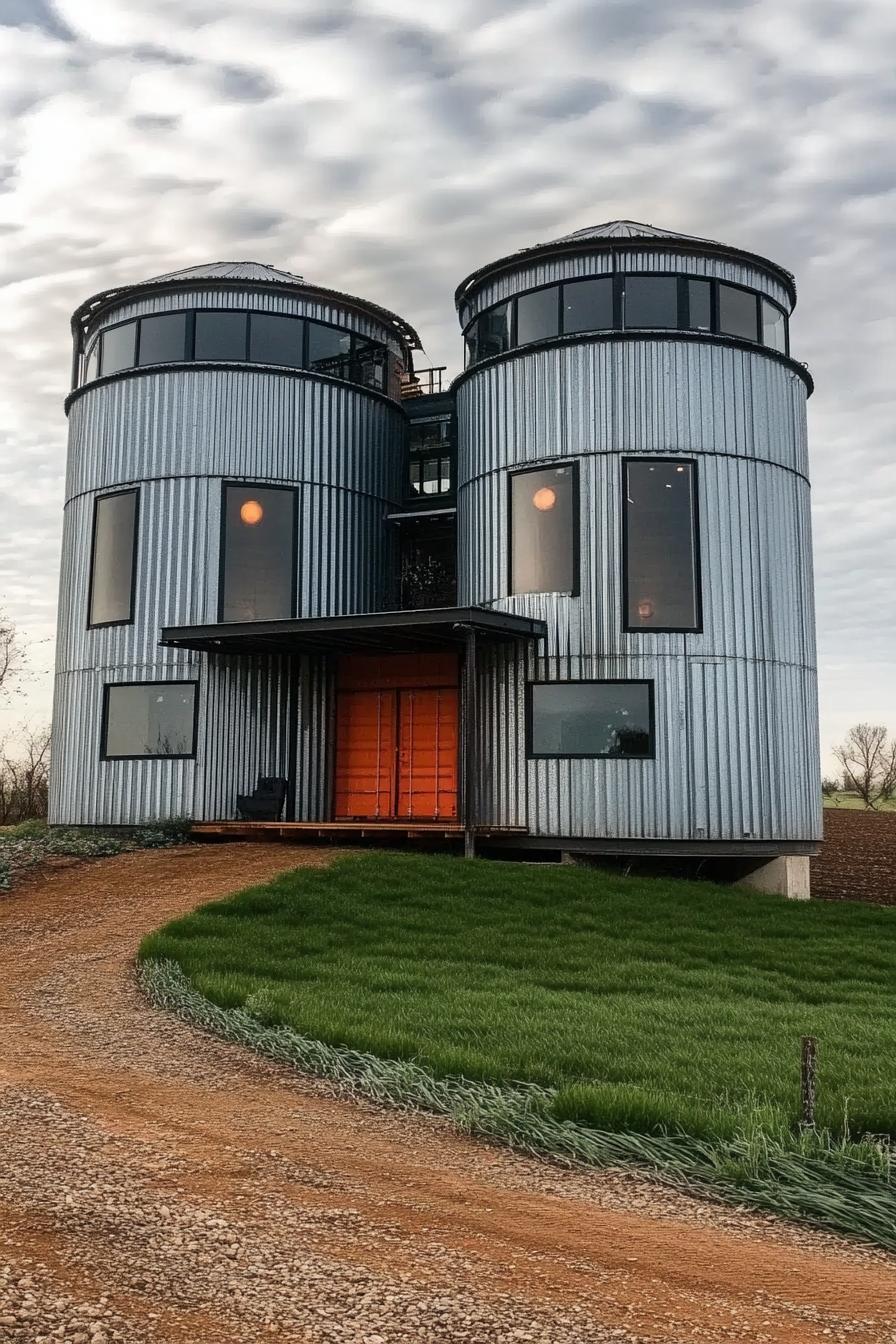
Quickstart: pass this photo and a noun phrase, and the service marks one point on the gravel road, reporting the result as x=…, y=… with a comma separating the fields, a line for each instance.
x=157, y=1185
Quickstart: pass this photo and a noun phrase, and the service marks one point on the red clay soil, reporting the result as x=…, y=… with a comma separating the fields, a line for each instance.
x=858, y=858
x=156, y=1184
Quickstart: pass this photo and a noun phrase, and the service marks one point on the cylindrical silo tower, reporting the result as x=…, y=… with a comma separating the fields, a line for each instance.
x=235, y=441
x=633, y=470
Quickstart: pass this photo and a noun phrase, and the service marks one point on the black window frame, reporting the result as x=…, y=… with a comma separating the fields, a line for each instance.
x=113, y=326
x=108, y=494
x=364, y=351
x=192, y=358
x=145, y=756
x=676, y=460
x=222, y=534
x=530, y=469
x=620, y=279
x=532, y=755
x=756, y=296
x=610, y=278
x=303, y=343
x=186, y=314
x=617, y=280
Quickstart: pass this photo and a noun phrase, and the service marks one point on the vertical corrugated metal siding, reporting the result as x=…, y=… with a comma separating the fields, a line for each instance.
x=177, y=434
x=736, y=719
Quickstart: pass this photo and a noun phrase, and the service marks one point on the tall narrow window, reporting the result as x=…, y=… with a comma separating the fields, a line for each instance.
x=92, y=363
x=113, y=559
x=699, y=305
x=660, y=562
x=259, y=553
x=774, y=327
x=149, y=718
x=591, y=718
x=543, y=531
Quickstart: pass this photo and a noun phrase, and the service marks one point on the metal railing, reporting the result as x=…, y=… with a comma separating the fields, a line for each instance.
x=422, y=382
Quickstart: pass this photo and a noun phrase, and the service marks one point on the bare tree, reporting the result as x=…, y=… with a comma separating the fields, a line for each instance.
x=24, y=777
x=12, y=654
x=868, y=759
x=830, y=787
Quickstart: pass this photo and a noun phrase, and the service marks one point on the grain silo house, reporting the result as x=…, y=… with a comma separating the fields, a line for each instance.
x=563, y=604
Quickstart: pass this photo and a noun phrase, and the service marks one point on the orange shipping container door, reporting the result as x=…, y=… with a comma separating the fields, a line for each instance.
x=365, y=754
x=427, y=755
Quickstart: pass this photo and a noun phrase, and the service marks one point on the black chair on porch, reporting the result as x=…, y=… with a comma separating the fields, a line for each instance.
x=265, y=802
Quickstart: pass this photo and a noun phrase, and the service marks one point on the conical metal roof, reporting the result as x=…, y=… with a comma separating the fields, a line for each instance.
x=627, y=228
x=627, y=233
x=229, y=270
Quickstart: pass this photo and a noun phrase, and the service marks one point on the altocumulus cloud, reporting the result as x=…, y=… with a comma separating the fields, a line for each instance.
x=388, y=149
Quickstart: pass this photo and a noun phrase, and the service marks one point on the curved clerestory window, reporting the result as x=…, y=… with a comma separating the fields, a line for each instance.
x=641, y=301
x=224, y=334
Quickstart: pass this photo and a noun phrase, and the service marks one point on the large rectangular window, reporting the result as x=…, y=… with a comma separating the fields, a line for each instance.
x=276, y=340
x=149, y=718
x=258, y=553
x=118, y=347
x=588, y=305
x=591, y=718
x=544, y=530
x=329, y=350
x=220, y=335
x=738, y=313
x=113, y=559
x=538, y=315
x=163, y=340
x=660, y=561
x=650, y=301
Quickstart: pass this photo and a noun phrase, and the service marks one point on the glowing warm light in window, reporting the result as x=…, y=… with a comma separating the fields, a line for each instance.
x=545, y=498
x=251, y=512
x=646, y=609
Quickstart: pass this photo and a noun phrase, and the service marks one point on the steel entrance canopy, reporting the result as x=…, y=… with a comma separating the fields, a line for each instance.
x=369, y=632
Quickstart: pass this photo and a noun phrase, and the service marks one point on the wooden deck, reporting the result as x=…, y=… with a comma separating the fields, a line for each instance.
x=299, y=831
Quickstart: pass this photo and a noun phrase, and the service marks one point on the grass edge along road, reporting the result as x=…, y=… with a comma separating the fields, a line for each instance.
x=601, y=1017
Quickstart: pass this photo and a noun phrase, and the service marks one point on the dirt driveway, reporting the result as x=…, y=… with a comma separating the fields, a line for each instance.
x=158, y=1185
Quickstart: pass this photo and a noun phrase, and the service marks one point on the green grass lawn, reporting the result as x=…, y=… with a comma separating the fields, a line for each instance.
x=649, y=1004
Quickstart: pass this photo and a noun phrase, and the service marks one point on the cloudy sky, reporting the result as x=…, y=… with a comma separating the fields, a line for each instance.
x=388, y=149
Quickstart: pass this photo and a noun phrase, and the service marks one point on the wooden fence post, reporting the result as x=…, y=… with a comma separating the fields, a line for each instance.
x=808, y=1074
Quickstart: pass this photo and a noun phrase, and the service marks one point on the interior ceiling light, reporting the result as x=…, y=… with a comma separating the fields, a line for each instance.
x=251, y=512
x=544, y=499
x=646, y=609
